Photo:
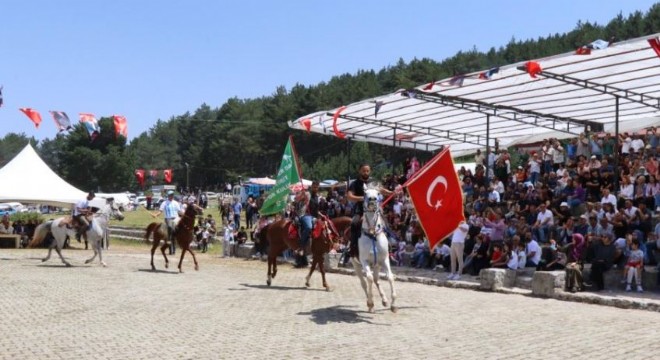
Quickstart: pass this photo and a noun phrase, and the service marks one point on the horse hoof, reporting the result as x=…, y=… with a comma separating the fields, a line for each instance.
x=307, y=284
x=394, y=309
x=43, y=260
x=166, y=266
x=196, y=268
x=328, y=289
x=67, y=264
x=104, y=264
x=371, y=309
x=88, y=261
x=268, y=282
x=384, y=303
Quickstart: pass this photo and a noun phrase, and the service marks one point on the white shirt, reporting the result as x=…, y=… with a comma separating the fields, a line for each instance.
x=542, y=216
x=442, y=250
x=627, y=191
x=533, y=247
x=494, y=196
x=637, y=144
x=460, y=234
x=513, y=261
x=522, y=259
x=397, y=207
x=625, y=146
x=609, y=199
x=534, y=166
x=558, y=155
x=499, y=187
x=82, y=204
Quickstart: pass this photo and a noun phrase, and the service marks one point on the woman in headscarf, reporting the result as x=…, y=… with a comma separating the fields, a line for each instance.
x=577, y=248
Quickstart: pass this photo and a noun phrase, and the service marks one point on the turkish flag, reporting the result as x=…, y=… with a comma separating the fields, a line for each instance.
x=438, y=198
x=139, y=175
x=167, y=174
x=33, y=115
x=307, y=124
x=120, y=126
x=338, y=133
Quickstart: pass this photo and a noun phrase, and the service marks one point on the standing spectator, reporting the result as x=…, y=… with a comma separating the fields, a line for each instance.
x=228, y=240
x=457, y=249
x=534, y=168
x=582, y=146
x=634, y=266
x=238, y=207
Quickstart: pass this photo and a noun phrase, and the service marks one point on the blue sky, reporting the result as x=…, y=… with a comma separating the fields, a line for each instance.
x=150, y=60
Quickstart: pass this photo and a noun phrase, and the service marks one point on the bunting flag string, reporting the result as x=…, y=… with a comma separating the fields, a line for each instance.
x=377, y=107
x=33, y=115
x=655, y=45
x=307, y=124
x=533, y=68
x=62, y=121
x=487, y=75
x=139, y=176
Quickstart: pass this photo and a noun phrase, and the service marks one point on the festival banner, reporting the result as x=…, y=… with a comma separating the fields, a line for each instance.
x=61, y=119
x=90, y=123
x=287, y=175
x=120, y=126
x=437, y=197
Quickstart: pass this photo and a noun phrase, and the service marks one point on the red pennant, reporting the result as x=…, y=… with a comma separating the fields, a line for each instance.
x=338, y=133
x=33, y=115
x=583, y=51
x=436, y=194
x=429, y=86
x=655, y=45
x=533, y=68
x=167, y=175
x=307, y=123
x=120, y=126
x=139, y=176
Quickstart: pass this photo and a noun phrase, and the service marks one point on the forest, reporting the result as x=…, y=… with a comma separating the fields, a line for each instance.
x=246, y=137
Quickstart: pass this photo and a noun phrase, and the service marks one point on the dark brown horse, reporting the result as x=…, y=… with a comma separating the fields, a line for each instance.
x=277, y=236
x=183, y=233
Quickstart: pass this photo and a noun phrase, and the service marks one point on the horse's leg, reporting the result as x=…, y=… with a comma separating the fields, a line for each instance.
x=383, y=297
x=99, y=245
x=59, y=252
x=153, y=251
x=162, y=249
x=311, y=271
x=194, y=259
x=270, y=264
x=390, y=279
x=360, y=273
x=50, y=250
x=183, y=253
x=322, y=270
x=93, y=256
x=370, y=282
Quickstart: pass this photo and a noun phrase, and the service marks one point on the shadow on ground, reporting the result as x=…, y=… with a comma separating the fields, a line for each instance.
x=277, y=287
x=339, y=314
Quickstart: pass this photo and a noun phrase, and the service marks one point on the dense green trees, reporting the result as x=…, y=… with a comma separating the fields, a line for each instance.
x=245, y=137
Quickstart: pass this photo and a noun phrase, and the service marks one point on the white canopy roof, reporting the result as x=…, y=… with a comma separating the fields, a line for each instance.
x=27, y=179
x=570, y=93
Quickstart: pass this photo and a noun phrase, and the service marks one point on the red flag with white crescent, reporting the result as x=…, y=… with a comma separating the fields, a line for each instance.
x=167, y=175
x=338, y=133
x=120, y=126
x=139, y=176
x=33, y=115
x=438, y=198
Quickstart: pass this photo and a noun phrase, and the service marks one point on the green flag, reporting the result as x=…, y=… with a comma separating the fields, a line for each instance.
x=287, y=175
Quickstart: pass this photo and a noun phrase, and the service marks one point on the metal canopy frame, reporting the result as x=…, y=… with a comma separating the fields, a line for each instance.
x=572, y=93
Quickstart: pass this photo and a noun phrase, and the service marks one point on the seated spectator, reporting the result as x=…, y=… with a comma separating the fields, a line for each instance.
x=441, y=256
x=496, y=254
x=533, y=253
x=553, y=259
x=603, y=253
x=507, y=260
x=521, y=255
x=544, y=222
x=419, y=256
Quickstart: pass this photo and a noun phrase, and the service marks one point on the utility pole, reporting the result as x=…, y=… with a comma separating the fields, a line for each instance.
x=187, y=177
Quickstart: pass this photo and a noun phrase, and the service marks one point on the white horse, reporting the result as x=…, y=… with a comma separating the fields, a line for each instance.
x=99, y=227
x=374, y=251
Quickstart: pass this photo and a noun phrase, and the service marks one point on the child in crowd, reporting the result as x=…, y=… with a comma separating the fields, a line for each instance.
x=634, y=266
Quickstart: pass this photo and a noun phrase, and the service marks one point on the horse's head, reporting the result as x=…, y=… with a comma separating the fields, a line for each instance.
x=115, y=213
x=371, y=199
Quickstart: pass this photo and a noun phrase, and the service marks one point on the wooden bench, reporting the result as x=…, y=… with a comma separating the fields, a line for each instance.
x=9, y=241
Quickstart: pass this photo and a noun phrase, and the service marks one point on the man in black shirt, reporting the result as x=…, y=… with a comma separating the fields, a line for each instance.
x=356, y=194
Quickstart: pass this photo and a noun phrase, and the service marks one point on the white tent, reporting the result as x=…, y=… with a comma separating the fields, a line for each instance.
x=27, y=179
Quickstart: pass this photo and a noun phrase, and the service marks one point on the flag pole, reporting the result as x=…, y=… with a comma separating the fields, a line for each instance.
x=295, y=159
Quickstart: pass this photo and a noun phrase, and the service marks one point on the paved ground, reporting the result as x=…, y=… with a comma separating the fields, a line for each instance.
x=226, y=311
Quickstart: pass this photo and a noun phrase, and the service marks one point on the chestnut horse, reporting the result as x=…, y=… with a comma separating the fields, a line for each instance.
x=277, y=236
x=183, y=233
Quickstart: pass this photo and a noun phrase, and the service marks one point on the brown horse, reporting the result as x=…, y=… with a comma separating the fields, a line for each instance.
x=183, y=233
x=277, y=236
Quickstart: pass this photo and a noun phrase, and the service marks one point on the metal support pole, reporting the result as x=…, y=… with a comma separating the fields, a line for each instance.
x=616, y=143
x=393, y=148
x=187, y=177
x=487, y=148
x=348, y=161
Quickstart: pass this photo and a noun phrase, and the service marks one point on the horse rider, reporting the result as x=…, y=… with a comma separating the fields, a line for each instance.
x=80, y=212
x=356, y=194
x=307, y=209
x=172, y=210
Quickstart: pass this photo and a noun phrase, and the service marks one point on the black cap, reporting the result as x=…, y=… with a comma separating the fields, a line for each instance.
x=91, y=194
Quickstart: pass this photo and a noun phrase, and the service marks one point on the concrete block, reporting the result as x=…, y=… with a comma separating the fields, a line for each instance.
x=494, y=279
x=545, y=283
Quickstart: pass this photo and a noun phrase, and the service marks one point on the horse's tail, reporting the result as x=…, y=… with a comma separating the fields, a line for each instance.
x=153, y=227
x=40, y=234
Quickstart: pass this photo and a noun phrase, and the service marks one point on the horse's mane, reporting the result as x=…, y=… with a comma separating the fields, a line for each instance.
x=374, y=185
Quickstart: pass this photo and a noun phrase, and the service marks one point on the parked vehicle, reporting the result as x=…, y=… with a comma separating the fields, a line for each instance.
x=242, y=192
x=6, y=210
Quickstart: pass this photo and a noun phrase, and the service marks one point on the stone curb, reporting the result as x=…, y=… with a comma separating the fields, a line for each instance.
x=587, y=298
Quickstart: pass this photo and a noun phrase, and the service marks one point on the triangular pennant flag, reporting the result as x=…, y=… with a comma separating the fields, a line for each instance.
x=583, y=50
x=379, y=104
x=454, y=81
x=338, y=133
x=655, y=45
x=139, y=176
x=167, y=175
x=62, y=121
x=307, y=124
x=487, y=75
x=429, y=86
x=533, y=68
x=120, y=126
x=32, y=115
x=599, y=44
x=90, y=123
